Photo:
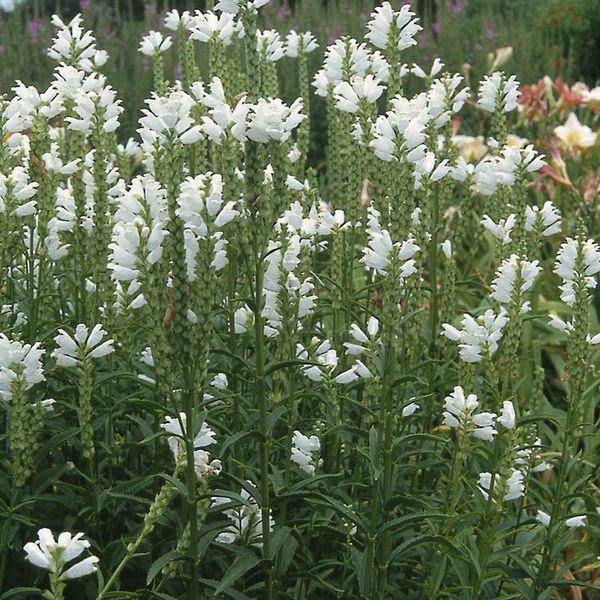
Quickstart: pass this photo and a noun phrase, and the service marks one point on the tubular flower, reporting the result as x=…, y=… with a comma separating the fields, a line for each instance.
x=546, y=220
x=245, y=520
x=155, y=43
x=565, y=268
x=303, y=448
x=478, y=337
x=83, y=345
x=53, y=555
x=497, y=92
x=390, y=27
x=506, y=276
x=296, y=43
x=460, y=414
x=18, y=358
x=273, y=119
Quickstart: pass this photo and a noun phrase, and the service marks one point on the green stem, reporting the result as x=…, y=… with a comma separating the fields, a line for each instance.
x=264, y=426
x=190, y=413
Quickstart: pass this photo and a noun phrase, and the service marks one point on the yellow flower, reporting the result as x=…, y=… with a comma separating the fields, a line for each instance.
x=516, y=141
x=574, y=135
x=469, y=147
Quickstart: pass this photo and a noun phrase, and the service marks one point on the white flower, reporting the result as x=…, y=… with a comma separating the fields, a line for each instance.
x=364, y=340
x=557, y=323
x=497, y=92
x=578, y=521
x=83, y=345
x=410, y=409
x=507, y=415
x=169, y=119
x=219, y=381
x=543, y=518
x=246, y=520
x=380, y=252
x=176, y=426
x=566, y=260
x=546, y=220
x=502, y=229
x=446, y=247
x=436, y=67
x=155, y=43
x=506, y=276
x=209, y=26
x=513, y=487
x=273, y=119
x=297, y=43
x=390, y=27
x=350, y=95
x=97, y=107
x=174, y=20
x=426, y=167
x=16, y=357
x=460, y=413
x=444, y=99
x=303, y=448
x=270, y=45
x=16, y=193
x=74, y=46
x=203, y=466
x=53, y=555
x=477, y=336
x=235, y=6
x=575, y=136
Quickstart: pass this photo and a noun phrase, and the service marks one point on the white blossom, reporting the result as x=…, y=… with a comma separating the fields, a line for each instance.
x=546, y=220
x=18, y=359
x=155, y=43
x=390, y=27
x=566, y=263
x=503, y=286
x=460, y=414
x=497, y=92
x=303, y=449
x=478, y=337
x=84, y=344
x=296, y=43
x=53, y=555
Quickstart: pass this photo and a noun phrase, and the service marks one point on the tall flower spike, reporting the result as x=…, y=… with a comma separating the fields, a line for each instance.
x=503, y=286
x=388, y=27
x=74, y=46
x=84, y=344
x=565, y=268
x=19, y=360
x=498, y=93
x=296, y=43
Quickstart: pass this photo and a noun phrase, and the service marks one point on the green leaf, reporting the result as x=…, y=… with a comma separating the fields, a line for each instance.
x=158, y=565
x=408, y=519
x=239, y=567
x=238, y=437
x=15, y=592
x=574, y=583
